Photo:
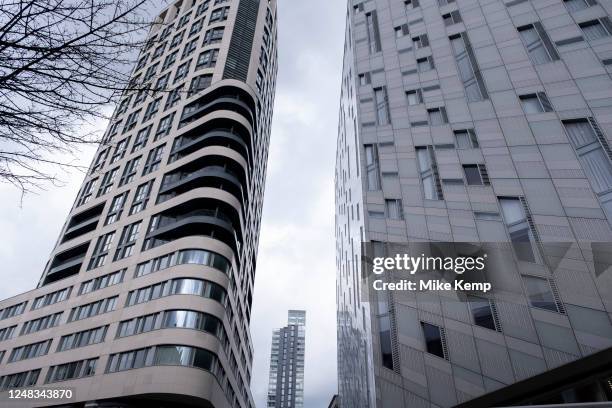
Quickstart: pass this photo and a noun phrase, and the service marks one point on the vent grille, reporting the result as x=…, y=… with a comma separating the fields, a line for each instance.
x=239, y=54
x=601, y=137
x=555, y=292
x=394, y=345
x=434, y=169
x=496, y=320
x=444, y=344
x=484, y=174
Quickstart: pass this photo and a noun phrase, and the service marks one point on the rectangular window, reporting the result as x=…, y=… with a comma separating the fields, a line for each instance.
x=593, y=157
x=120, y=150
x=152, y=109
x=107, y=182
x=100, y=160
x=127, y=242
x=483, y=312
x=51, y=298
x=394, y=209
x=130, y=170
x=102, y=282
x=71, y=371
x=42, y=323
x=577, y=5
x=382, y=106
x=219, y=14
x=411, y=4
x=199, y=84
x=401, y=31
x=425, y=64
x=142, y=137
x=116, y=208
x=518, y=228
x=93, y=309
x=182, y=71
x=207, y=59
x=165, y=126
x=170, y=60
x=468, y=69
x=475, y=174
x=190, y=47
x=82, y=338
x=430, y=178
x=30, y=351
x=414, y=97
x=452, y=18
x=131, y=121
x=434, y=339
x=535, y=103
x=141, y=197
x=364, y=79
x=150, y=72
x=174, y=97
x=373, y=33
x=87, y=192
x=538, y=44
x=420, y=41
x=177, y=39
x=6, y=333
x=213, y=36
x=466, y=139
x=153, y=160
x=596, y=29
x=98, y=258
x=19, y=380
x=542, y=294
x=372, y=167
x=437, y=116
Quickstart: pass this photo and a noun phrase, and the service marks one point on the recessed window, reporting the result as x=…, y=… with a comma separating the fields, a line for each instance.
x=577, y=5
x=540, y=293
x=468, y=69
x=538, y=44
x=373, y=33
x=596, y=29
x=414, y=97
x=410, y=4
x=482, y=312
x=382, y=106
x=372, y=167
x=430, y=178
x=420, y=41
x=437, y=116
x=466, y=139
x=452, y=18
x=433, y=339
x=475, y=174
x=535, y=103
x=364, y=79
x=394, y=209
x=518, y=228
x=425, y=64
x=401, y=31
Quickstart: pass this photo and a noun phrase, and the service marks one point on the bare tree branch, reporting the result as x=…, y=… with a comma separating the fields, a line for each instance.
x=61, y=63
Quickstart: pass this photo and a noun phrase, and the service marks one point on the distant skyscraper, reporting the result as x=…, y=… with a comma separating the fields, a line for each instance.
x=477, y=121
x=286, y=386
x=146, y=299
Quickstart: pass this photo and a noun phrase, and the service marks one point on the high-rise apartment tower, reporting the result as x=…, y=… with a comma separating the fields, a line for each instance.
x=484, y=121
x=146, y=299
x=286, y=386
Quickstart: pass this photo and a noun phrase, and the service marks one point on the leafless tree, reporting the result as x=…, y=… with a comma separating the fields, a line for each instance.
x=61, y=63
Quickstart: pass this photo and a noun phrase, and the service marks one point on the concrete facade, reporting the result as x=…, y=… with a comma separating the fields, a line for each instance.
x=286, y=384
x=146, y=299
x=471, y=121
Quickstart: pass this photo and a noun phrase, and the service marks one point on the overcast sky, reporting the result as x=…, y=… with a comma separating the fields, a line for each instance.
x=295, y=266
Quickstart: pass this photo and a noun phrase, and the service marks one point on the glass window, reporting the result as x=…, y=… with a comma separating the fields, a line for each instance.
x=394, y=209
x=466, y=139
x=577, y=5
x=372, y=168
x=468, y=69
x=472, y=175
x=373, y=34
x=518, y=229
x=538, y=44
x=433, y=339
x=482, y=312
x=382, y=106
x=596, y=29
x=540, y=293
x=414, y=97
x=429, y=175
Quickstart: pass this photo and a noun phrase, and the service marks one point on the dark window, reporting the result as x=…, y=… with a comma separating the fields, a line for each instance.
x=482, y=312
x=433, y=339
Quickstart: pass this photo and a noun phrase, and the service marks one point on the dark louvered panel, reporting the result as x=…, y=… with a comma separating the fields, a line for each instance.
x=241, y=44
